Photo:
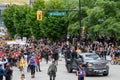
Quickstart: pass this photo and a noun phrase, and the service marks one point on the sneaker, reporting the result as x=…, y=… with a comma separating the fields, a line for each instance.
x=33, y=76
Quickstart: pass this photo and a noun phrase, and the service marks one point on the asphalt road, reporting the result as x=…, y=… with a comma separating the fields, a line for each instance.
x=62, y=73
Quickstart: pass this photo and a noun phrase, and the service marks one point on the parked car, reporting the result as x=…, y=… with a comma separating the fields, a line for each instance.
x=92, y=63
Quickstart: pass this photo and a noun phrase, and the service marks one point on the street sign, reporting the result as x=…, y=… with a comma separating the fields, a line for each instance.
x=57, y=13
x=24, y=39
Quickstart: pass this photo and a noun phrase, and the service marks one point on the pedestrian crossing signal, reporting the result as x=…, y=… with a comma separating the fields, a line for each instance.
x=39, y=15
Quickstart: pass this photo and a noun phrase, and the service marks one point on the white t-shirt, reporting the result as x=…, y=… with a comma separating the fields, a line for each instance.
x=108, y=57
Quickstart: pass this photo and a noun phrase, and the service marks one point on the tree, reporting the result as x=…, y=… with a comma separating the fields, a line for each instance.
x=103, y=18
x=100, y=17
x=34, y=24
x=72, y=16
x=55, y=27
x=20, y=17
x=8, y=20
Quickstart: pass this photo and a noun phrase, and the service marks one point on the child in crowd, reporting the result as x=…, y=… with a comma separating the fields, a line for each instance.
x=22, y=77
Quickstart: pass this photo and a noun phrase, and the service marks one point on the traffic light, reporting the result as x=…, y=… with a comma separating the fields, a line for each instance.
x=83, y=30
x=39, y=15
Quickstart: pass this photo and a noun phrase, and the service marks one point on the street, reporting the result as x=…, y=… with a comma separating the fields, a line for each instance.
x=62, y=73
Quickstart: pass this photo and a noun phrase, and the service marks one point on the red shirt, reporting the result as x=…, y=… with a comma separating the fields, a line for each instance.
x=37, y=58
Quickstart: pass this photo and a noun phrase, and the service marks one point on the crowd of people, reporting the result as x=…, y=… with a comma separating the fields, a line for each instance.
x=29, y=54
x=108, y=51
x=34, y=51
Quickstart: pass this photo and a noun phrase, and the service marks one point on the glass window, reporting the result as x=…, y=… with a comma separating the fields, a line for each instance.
x=92, y=56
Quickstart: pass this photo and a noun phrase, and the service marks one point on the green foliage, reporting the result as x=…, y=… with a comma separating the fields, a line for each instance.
x=98, y=16
x=54, y=4
x=15, y=20
x=103, y=18
x=72, y=16
x=34, y=24
x=20, y=17
x=70, y=4
x=38, y=5
x=8, y=20
x=73, y=28
x=55, y=26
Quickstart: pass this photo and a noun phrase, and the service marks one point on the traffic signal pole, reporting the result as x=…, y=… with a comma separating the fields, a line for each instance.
x=79, y=17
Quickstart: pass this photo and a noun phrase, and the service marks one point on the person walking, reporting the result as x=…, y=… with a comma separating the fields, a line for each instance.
x=1, y=72
x=52, y=71
x=37, y=57
x=22, y=77
x=8, y=72
x=80, y=72
x=32, y=64
x=3, y=62
x=22, y=64
x=2, y=66
x=28, y=65
x=55, y=55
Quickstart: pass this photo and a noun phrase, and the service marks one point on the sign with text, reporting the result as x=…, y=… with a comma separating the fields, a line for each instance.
x=24, y=39
x=57, y=13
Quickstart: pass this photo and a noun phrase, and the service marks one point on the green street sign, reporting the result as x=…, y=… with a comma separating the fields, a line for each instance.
x=57, y=13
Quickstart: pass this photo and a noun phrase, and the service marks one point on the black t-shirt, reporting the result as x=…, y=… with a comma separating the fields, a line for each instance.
x=8, y=72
